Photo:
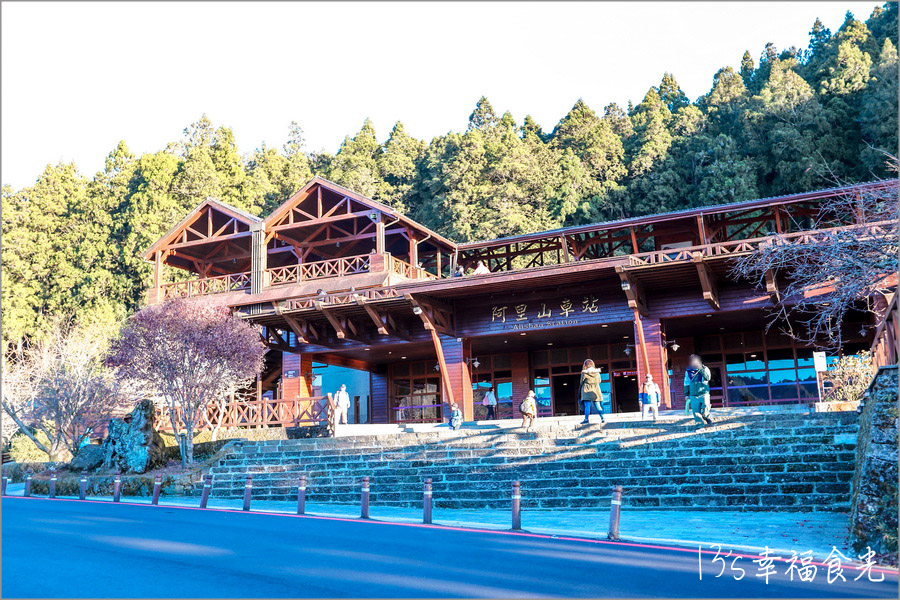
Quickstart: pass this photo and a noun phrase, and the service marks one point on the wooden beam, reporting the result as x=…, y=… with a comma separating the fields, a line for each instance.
x=296, y=327
x=633, y=289
x=334, y=321
x=380, y=323
x=442, y=363
x=641, y=340
x=772, y=287
x=707, y=280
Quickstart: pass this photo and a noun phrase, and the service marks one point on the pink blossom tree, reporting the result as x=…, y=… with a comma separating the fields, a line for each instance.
x=190, y=352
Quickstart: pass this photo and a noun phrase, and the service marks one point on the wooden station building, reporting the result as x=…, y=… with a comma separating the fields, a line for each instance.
x=332, y=277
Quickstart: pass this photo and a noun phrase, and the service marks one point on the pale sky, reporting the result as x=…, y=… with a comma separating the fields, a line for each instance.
x=79, y=77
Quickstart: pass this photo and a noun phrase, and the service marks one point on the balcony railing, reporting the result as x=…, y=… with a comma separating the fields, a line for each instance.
x=322, y=269
x=736, y=247
x=404, y=269
x=206, y=285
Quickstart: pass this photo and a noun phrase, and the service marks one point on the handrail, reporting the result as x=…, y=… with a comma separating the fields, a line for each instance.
x=734, y=247
x=404, y=269
x=264, y=413
x=321, y=269
x=884, y=347
x=206, y=285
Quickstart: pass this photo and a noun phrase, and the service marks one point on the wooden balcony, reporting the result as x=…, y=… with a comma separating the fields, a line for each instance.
x=204, y=286
x=322, y=269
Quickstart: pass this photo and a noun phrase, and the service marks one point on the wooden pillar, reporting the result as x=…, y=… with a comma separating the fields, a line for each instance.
x=258, y=257
x=458, y=374
x=157, y=274
x=297, y=375
x=379, y=237
x=413, y=250
x=652, y=355
x=439, y=266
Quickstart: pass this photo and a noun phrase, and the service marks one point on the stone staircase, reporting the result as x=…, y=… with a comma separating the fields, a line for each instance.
x=766, y=461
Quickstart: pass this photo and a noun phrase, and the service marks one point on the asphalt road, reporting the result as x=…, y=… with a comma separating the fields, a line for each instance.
x=63, y=548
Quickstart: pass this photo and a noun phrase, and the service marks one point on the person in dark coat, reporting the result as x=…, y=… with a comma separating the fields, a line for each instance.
x=591, y=395
x=696, y=390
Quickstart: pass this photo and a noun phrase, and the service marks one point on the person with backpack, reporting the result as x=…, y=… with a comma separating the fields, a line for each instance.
x=696, y=390
x=490, y=402
x=528, y=408
x=591, y=394
x=455, y=416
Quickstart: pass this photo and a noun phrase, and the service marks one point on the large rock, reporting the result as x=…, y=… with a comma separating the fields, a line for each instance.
x=88, y=458
x=132, y=444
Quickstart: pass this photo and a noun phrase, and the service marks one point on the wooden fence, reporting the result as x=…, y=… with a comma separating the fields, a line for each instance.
x=254, y=414
x=884, y=345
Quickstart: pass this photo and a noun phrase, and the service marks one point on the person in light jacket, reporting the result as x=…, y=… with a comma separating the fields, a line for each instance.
x=342, y=401
x=456, y=417
x=649, y=397
x=528, y=408
x=591, y=395
x=490, y=401
x=696, y=390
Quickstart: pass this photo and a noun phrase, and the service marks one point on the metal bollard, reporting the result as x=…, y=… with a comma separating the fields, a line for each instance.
x=28, y=484
x=364, y=500
x=427, y=497
x=516, y=505
x=5, y=479
x=157, y=488
x=207, y=487
x=301, y=496
x=615, y=510
x=53, y=483
x=117, y=488
x=248, y=492
x=82, y=487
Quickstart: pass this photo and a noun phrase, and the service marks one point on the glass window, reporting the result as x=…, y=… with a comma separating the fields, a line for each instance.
x=753, y=378
x=734, y=362
x=782, y=358
x=541, y=358
x=709, y=343
x=754, y=360
x=734, y=341
x=504, y=392
x=502, y=374
x=599, y=352
x=784, y=391
x=401, y=369
x=544, y=395
x=804, y=357
x=711, y=358
x=419, y=368
x=783, y=376
x=502, y=361
x=578, y=355
x=809, y=390
x=559, y=369
x=560, y=356
x=748, y=395
x=542, y=374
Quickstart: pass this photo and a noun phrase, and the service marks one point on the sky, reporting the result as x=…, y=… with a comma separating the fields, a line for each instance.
x=79, y=77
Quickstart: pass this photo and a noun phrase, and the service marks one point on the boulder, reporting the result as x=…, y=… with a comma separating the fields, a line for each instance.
x=88, y=458
x=133, y=445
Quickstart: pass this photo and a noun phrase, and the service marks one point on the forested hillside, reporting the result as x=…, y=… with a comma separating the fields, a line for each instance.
x=789, y=121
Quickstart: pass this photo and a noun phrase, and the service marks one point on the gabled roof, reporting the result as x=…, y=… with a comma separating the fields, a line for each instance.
x=374, y=204
x=227, y=209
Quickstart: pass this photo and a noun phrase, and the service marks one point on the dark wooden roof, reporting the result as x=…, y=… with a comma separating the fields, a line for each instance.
x=681, y=214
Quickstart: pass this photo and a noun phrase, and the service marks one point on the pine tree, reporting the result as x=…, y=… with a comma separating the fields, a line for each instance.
x=397, y=167
x=483, y=116
x=355, y=166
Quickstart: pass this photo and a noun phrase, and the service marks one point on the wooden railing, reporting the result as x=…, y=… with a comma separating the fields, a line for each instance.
x=884, y=345
x=321, y=269
x=254, y=414
x=205, y=286
x=404, y=269
x=736, y=247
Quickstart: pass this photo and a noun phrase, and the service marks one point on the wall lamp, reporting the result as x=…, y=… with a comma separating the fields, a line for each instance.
x=417, y=310
x=473, y=361
x=626, y=286
x=673, y=345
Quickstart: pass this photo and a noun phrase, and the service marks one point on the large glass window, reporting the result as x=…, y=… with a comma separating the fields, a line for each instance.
x=415, y=394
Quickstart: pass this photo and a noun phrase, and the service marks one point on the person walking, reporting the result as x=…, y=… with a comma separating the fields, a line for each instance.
x=481, y=269
x=342, y=400
x=528, y=408
x=649, y=397
x=696, y=390
x=490, y=401
x=591, y=395
x=455, y=416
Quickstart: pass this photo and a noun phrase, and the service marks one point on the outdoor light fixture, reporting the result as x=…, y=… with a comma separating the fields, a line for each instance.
x=627, y=350
x=473, y=361
x=626, y=286
x=321, y=293
x=862, y=331
x=417, y=310
x=673, y=345
x=437, y=366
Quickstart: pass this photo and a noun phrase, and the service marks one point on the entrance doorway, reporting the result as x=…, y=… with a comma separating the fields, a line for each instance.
x=716, y=389
x=626, y=392
x=565, y=394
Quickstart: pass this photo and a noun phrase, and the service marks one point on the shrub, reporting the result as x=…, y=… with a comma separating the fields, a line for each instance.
x=22, y=449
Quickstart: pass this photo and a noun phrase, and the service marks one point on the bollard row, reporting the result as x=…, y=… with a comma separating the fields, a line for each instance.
x=365, y=497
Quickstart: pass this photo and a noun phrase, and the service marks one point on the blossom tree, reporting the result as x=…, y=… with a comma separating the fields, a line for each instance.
x=190, y=352
x=58, y=384
x=842, y=270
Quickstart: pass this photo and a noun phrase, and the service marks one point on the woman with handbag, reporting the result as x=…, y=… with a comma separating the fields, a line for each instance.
x=591, y=395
